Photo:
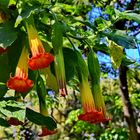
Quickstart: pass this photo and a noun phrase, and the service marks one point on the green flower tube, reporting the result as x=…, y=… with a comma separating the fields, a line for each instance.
x=57, y=42
x=94, y=70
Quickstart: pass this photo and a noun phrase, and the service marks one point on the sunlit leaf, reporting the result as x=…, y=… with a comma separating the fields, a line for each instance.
x=116, y=54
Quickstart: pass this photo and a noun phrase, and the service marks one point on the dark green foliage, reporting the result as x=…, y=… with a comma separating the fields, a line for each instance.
x=40, y=119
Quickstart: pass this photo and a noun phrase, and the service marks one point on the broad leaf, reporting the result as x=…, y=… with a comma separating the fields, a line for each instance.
x=7, y=35
x=70, y=60
x=13, y=109
x=41, y=88
x=121, y=39
x=4, y=123
x=3, y=89
x=4, y=68
x=130, y=16
x=127, y=61
x=40, y=119
x=116, y=54
x=4, y=3
x=25, y=14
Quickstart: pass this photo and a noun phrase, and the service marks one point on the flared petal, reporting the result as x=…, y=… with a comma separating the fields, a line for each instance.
x=93, y=117
x=46, y=132
x=40, y=61
x=20, y=84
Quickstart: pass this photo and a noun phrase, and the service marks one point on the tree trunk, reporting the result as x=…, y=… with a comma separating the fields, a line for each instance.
x=128, y=111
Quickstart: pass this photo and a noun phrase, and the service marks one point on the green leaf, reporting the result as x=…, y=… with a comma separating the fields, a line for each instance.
x=13, y=109
x=4, y=123
x=116, y=54
x=40, y=119
x=70, y=64
x=4, y=68
x=3, y=89
x=130, y=16
x=102, y=24
x=4, y=2
x=41, y=88
x=127, y=61
x=14, y=52
x=26, y=12
x=7, y=35
x=121, y=39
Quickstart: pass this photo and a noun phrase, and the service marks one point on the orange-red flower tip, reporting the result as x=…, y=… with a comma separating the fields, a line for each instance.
x=19, y=84
x=93, y=117
x=14, y=121
x=40, y=61
x=2, y=50
x=46, y=132
x=63, y=92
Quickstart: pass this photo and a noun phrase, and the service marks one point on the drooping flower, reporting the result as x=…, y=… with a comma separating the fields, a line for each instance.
x=57, y=43
x=60, y=72
x=90, y=114
x=40, y=59
x=14, y=121
x=20, y=81
x=94, y=70
x=44, y=111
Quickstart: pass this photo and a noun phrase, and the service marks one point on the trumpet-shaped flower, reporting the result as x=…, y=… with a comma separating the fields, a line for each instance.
x=90, y=114
x=40, y=59
x=44, y=111
x=60, y=73
x=20, y=81
x=94, y=70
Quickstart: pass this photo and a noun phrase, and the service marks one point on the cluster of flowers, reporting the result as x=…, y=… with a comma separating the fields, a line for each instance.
x=93, y=110
x=39, y=60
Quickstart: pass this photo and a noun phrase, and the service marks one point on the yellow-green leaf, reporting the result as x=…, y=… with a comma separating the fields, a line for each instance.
x=116, y=54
